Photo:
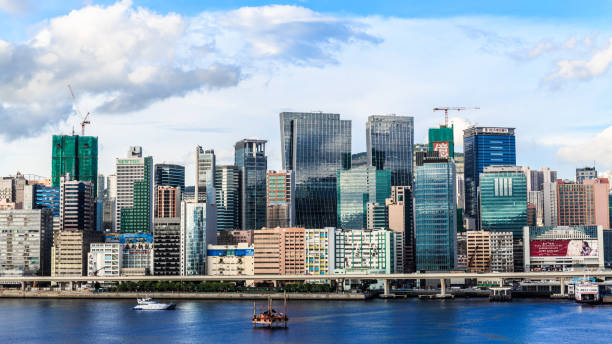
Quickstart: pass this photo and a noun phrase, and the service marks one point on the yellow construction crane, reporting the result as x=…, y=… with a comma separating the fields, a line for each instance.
x=85, y=119
x=456, y=108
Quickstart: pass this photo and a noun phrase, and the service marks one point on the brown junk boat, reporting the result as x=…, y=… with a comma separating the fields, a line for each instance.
x=271, y=318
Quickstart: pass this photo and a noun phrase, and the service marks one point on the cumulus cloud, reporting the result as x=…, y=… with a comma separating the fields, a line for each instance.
x=583, y=69
x=127, y=58
x=14, y=6
x=597, y=149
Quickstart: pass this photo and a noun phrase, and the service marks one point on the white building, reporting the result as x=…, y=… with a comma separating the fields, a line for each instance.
x=319, y=253
x=198, y=229
x=364, y=251
x=104, y=259
x=549, y=196
x=132, y=170
x=230, y=260
x=502, y=252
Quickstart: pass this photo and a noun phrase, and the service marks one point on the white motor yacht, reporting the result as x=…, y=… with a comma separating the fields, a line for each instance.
x=147, y=304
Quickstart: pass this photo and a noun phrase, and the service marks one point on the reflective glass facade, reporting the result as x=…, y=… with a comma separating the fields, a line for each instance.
x=170, y=175
x=47, y=197
x=483, y=147
x=315, y=146
x=227, y=189
x=503, y=200
x=357, y=187
x=251, y=160
x=198, y=229
x=435, y=215
x=390, y=141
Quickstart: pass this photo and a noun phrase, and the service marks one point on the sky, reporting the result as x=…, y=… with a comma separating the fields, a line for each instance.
x=172, y=75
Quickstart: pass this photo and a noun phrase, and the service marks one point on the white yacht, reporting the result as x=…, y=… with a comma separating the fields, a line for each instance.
x=147, y=304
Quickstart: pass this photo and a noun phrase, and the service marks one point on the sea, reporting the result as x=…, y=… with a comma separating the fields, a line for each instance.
x=372, y=321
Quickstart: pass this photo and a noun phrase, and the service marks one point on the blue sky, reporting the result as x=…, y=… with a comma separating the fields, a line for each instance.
x=213, y=72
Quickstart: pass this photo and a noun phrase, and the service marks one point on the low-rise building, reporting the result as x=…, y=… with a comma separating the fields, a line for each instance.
x=279, y=251
x=104, y=259
x=319, y=251
x=230, y=260
x=137, y=254
x=70, y=250
x=167, y=253
x=364, y=251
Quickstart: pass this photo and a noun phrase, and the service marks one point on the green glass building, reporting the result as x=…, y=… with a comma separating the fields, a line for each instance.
x=75, y=155
x=441, y=140
x=503, y=199
x=355, y=188
x=135, y=192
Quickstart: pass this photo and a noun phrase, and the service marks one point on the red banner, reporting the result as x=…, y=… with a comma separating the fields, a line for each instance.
x=548, y=248
x=443, y=149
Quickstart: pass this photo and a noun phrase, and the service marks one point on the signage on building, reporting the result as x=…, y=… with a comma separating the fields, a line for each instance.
x=443, y=149
x=563, y=248
x=495, y=130
x=129, y=238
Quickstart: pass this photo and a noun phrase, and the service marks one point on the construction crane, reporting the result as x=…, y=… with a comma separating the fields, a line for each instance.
x=456, y=108
x=85, y=119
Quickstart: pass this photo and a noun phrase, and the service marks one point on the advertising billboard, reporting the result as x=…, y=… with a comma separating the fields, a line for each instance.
x=442, y=148
x=563, y=248
x=129, y=238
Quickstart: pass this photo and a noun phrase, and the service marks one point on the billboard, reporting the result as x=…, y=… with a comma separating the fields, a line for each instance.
x=128, y=238
x=442, y=148
x=563, y=248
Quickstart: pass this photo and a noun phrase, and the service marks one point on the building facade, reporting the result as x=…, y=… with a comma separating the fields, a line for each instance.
x=74, y=155
x=104, y=259
x=364, y=252
x=585, y=173
x=170, y=175
x=205, y=164
x=198, y=229
x=355, y=188
x=587, y=203
x=279, y=251
x=167, y=253
x=319, y=251
x=137, y=254
x=167, y=201
x=70, y=251
x=441, y=140
x=280, y=199
x=77, y=205
x=401, y=220
x=227, y=188
x=134, y=203
x=503, y=199
x=230, y=260
x=250, y=158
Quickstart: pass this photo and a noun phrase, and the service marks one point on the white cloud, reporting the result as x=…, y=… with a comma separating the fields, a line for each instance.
x=14, y=6
x=584, y=69
x=596, y=149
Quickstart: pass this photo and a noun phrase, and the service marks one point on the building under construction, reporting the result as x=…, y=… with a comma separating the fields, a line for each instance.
x=75, y=155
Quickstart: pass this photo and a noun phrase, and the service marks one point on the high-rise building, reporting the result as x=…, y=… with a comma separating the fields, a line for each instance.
x=583, y=204
x=198, y=229
x=134, y=192
x=356, y=187
x=389, y=141
x=46, y=197
x=167, y=201
x=490, y=251
x=170, y=175
x=503, y=199
x=441, y=140
x=536, y=198
x=111, y=181
x=26, y=237
x=77, y=156
x=279, y=251
x=362, y=251
x=536, y=179
x=280, y=199
x=77, y=205
x=70, y=251
x=359, y=159
x=205, y=162
x=435, y=215
x=549, y=198
x=319, y=251
x=315, y=146
x=484, y=146
x=377, y=216
x=100, y=186
x=250, y=158
x=227, y=188
x=585, y=173
x=167, y=253
x=401, y=220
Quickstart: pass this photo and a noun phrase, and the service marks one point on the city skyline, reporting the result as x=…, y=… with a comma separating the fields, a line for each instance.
x=555, y=68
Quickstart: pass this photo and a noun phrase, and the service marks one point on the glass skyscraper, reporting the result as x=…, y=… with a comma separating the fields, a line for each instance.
x=315, y=146
x=435, y=215
x=75, y=155
x=390, y=141
x=205, y=162
x=170, y=175
x=198, y=229
x=356, y=188
x=484, y=146
x=227, y=189
x=250, y=158
x=503, y=199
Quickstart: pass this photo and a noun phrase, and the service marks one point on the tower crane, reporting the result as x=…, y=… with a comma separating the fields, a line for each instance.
x=85, y=120
x=456, y=108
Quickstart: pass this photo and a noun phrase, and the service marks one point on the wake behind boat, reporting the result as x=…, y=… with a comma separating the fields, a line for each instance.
x=147, y=304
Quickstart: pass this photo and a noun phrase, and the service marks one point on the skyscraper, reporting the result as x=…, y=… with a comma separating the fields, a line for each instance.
x=280, y=199
x=77, y=204
x=170, y=175
x=315, y=146
x=401, y=220
x=441, y=140
x=198, y=229
x=484, y=146
x=585, y=203
x=356, y=188
x=167, y=201
x=75, y=155
x=250, y=158
x=205, y=162
x=134, y=204
x=435, y=214
x=585, y=173
x=227, y=188
x=390, y=141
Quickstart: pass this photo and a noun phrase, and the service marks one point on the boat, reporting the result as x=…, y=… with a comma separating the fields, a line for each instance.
x=147, y=304
x=587, y=292
x=271, y=318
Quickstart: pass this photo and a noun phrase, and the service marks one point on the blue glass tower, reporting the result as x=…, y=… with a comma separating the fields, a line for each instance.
x=503, y=200
x=170, y=175
x=390, y=142
x=435, y=214
x=251, y=160
x=484, y=146
x=47, y=197
x=315, y=146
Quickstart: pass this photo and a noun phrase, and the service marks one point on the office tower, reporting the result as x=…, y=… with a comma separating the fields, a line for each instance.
x=77, y=205
x=134, y=192
x=25, y=242
x=205, y=162
x=111, y=181
x=280, y=199
x=441, y=140
x=583, y=204
x=250, y=158
x=435, y=215
x=167, y=201
x=198, y=229
x=279, y=251
x=401, y=220
x=137, y=251
x=585, y=173
x=70, y=250
x=319, y=246
x=104, y=259
x=227, y=189
x=389, y=142
x=46, y=197
x=77, y=156
x=359, y=159
x=170, y=175
x=167, y=253
x=315, y=146
x=362, y=251
x=484, y=146
x=230, y=260
x=377, y=216
x=503, y=199
x=357, y=187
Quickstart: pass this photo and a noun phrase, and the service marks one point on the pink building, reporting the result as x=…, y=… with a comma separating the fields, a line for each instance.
x=583, y=204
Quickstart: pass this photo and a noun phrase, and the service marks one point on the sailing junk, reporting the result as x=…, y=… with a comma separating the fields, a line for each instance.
x=271, y=318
